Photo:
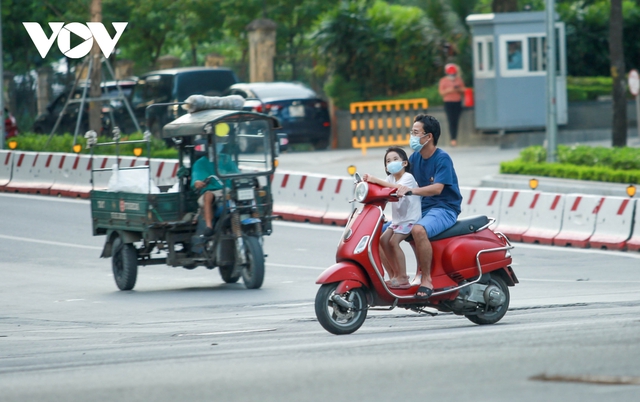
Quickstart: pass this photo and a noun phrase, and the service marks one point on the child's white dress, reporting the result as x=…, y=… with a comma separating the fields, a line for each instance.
x=407, y=211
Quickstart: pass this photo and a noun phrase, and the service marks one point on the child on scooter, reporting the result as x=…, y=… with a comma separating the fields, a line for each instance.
x=404, y=213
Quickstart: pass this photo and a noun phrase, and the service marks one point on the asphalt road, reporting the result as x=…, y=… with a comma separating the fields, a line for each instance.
x=67, y=333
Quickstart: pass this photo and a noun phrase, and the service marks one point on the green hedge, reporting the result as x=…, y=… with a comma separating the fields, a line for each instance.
x=616, y=165
x=64, y=143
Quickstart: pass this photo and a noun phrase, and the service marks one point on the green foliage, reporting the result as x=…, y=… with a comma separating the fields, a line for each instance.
x=571, y=172
x=64, y=143
x=380, y=49
x=579, y=162
x=587, y=35
x=431, y=93
x=590, y=88
x=342, y=92
x=534, y=154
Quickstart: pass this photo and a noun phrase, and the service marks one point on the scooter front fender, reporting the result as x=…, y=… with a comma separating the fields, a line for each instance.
x=344, y=271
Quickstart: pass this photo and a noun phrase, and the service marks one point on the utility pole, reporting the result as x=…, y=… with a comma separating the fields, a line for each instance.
x=95, y=123
x=552, y=117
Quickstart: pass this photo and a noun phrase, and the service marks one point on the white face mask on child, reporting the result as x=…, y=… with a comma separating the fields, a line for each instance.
x=394, y=167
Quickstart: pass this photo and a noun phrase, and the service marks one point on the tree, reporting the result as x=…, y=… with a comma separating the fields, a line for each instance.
x=377, y=50
x=616, y=52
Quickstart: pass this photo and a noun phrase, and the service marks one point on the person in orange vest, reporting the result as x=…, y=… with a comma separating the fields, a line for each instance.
x=451, y=89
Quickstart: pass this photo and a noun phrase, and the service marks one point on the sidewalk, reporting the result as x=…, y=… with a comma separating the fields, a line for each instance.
x=477, y=166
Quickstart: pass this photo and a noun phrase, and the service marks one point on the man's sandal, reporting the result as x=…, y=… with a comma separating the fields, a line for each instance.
x=423, y=293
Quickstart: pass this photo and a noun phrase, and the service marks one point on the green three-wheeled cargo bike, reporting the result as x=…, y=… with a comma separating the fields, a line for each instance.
x=168, y=227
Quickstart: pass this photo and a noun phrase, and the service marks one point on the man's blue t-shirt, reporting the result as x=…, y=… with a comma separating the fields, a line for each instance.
x=203, y=168
x=437, y=169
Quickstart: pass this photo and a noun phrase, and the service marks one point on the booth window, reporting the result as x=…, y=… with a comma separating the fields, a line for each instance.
x=483, y=57
x=525, y=54
x=514, y=55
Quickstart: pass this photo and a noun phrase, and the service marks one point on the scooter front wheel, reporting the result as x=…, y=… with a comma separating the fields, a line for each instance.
x=341, y=314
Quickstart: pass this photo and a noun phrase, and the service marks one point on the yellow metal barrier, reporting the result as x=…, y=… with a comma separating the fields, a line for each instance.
x=384, y=123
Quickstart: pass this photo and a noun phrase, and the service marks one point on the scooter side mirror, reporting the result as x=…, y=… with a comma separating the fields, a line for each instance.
x=357, y=177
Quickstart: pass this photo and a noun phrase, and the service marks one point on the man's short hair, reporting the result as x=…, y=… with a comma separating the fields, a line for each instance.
x=430, y=124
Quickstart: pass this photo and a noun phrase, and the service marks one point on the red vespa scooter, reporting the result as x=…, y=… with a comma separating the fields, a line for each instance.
x=471, y=270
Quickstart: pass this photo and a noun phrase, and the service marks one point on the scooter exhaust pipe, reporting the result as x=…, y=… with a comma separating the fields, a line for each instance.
x=342, y=302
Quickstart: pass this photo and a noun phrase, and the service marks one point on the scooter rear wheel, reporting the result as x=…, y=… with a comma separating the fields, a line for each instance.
x=337, y=319
x=494, y=314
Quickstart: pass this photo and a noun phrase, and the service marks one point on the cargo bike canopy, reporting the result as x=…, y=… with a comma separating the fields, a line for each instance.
x=246, y=138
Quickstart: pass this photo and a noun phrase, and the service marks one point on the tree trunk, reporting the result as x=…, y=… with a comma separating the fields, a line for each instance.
x=616, y=54
x=194, y=53
x=504, y=6
x=95, y=108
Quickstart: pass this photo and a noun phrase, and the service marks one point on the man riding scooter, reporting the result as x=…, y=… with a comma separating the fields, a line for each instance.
x=438, y=186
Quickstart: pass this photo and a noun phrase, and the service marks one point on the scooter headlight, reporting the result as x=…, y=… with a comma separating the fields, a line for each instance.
x=362, y=189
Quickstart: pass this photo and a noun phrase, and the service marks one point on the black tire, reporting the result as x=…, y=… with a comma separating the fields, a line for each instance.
x=494, y=314
x=225, y=273
x=253, y=273
x=337, y=319
x=124, y=263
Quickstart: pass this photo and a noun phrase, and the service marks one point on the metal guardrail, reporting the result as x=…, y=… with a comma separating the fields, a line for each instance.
x=384, y=123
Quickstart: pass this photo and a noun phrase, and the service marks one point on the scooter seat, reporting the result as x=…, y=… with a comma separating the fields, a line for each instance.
x=463, y=226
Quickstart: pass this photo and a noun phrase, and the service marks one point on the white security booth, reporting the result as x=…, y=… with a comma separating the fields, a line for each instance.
x=509, y=65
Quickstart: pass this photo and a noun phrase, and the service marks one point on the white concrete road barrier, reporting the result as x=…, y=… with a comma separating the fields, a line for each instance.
x=6, y=167
x=546, y=218
x=578, y=220
x=533, y=217
x=32, y=173
x=339, y=194
x=73, y=176
x=516, y=208
x=613, y=223
x=633, y=244
x=483, y=201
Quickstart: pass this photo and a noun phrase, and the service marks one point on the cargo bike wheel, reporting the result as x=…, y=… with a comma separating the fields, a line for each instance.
x=253, y=272
x=124, y=263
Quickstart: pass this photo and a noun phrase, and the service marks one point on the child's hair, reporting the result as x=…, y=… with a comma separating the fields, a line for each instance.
x=401, y=154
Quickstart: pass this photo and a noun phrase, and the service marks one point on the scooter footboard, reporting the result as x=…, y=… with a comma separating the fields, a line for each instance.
x=350, y=273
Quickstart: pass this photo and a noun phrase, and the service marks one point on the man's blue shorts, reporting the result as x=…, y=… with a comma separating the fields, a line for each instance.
x=437, y=220
x=434, y=221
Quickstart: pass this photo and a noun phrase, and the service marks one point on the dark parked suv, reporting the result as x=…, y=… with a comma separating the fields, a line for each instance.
x=176, y=85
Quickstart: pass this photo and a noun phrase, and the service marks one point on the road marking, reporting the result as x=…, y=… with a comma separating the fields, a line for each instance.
x=310, y=226
x=50, y=243
x=230, y=332
x=586, y=280
x=283, y=305
x=47, y=198
x=296, y=266
x=610, y=253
